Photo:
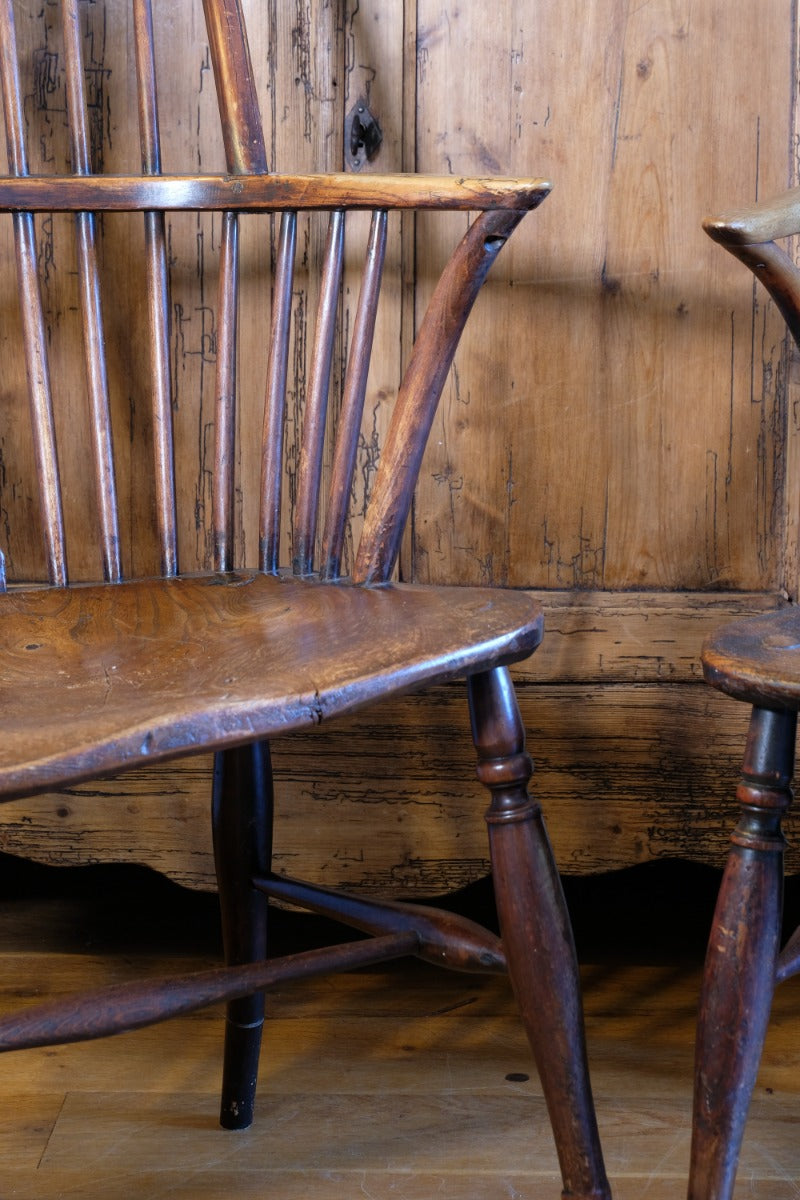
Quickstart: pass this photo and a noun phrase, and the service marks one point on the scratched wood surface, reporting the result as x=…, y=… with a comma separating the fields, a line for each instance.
x=622, y=414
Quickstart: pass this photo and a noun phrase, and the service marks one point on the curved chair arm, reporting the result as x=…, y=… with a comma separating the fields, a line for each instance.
x=756, y=223
x=749, y=234
x=421, y=388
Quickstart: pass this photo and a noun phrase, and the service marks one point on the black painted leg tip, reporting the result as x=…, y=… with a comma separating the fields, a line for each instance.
x=240, y=1073
x=236, y=1116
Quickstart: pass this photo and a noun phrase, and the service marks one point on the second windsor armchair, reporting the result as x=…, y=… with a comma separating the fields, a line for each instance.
x=754, y=660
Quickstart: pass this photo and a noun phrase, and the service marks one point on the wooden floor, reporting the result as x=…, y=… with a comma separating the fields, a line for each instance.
x=401, y=1083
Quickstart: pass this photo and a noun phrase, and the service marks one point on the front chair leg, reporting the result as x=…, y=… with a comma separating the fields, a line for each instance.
x=242, y=825
x=536, y=933
x=739, y=977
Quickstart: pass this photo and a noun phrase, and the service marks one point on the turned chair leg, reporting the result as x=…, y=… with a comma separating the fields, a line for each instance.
x=536, y=933
x=739, y=978
x=242, y=825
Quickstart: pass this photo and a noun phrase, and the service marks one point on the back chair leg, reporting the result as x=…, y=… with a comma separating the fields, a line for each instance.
x=537, y=934
x=739, y=978
x=242, y=824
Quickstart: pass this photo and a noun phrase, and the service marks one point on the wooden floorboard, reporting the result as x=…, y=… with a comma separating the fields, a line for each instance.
x=388, y=1083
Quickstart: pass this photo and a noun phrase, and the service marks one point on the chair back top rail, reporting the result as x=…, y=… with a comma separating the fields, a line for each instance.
x=353, y=399
x=264, y=193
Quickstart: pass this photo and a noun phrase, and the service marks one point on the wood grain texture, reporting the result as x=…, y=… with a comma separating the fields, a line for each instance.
x=625, y=769
x=420, y=1075
x=756, y=660
x=160, y=668
x=651, y=386
x=624, y=774
x=634, y=342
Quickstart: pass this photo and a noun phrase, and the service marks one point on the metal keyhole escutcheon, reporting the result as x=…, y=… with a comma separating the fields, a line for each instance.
x=362, y=136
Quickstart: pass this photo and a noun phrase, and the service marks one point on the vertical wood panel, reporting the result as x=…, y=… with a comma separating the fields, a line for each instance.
x=646, y=376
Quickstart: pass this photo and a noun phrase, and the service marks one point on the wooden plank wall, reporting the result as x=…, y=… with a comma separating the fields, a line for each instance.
x=619, y=433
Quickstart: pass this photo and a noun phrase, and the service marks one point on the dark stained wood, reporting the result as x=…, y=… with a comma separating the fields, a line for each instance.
x=444, y=939
x=532, y=911
x=748, y=235
x=741, y=963
x=241, y=815
x=757, y=660
x=117, y=1009
x=233, y=74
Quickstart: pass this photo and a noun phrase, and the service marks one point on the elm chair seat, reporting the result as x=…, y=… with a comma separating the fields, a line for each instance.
x=151, y=669
x=757, y=659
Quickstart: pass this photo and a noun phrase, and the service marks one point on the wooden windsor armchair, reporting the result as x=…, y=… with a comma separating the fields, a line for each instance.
x=99, y=677
x=755, y=660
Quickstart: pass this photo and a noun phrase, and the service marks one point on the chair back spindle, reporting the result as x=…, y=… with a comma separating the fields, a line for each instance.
x=354, y=393
x=91, y=311
x=225, y=404
x=33, y=324
x=157, y=294
x=269, y=531
x=316, y=403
